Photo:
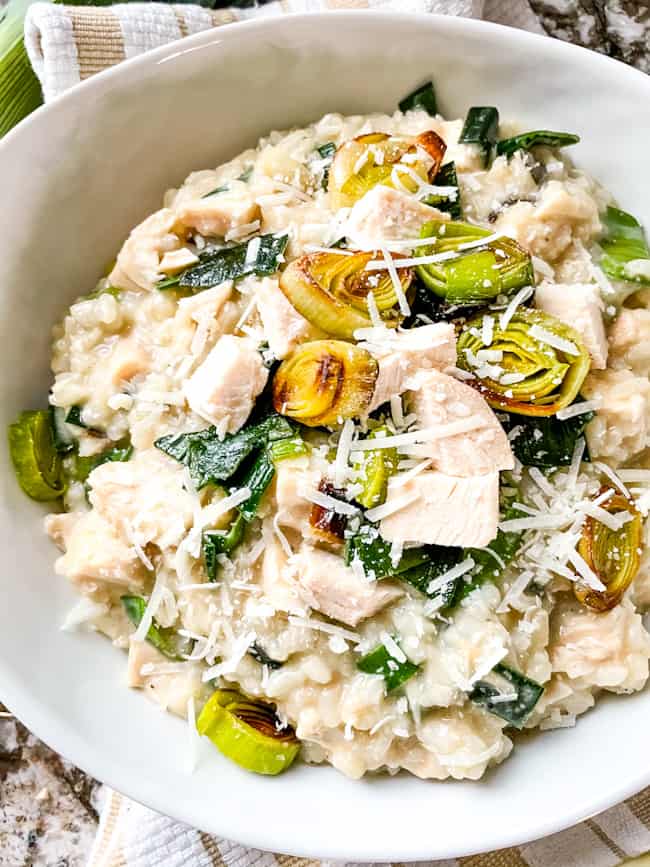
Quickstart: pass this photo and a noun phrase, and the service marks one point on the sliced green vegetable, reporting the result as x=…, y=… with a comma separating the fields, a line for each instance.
x=528, y=140
x=544, y=363
x=374, y=470
x=374, y=553
x=445, y=236
x=394, y=671
x=516, y=711
x=64, y=440
x=481, y=128
x=215, y=542
x=422, y=98
x=625, y=249
x=546, y=442
x=423, y=576
x=34, y=455
x=289, y=447
x=258, y=478
x=248, y=732
x=231, y=263
x=166, y=640
x=258, y=653
x=78, y=468
x=447, y=177
x=222, y=188
x=211, y=460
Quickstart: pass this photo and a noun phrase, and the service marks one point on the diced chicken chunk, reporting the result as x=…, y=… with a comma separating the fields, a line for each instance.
x=292, y=478
x=284, y=327
x=629, y=340
x=96, y=555
x=309, y=223
x=331, y=587
x=223, y=388
x=580, y=306
x=444, y=510
x=128, y=359
x=442, y=400
x=171, y=690
x=384, y=214
x=138, y=262
x=141, y=653
x=279, y=587
x=621, y=428
x=177, y=260
x=407, y=354
x=220, y=213
x=202, y=318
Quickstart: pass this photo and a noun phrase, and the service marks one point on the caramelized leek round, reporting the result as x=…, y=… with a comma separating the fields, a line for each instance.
x=37, y=463
x=543, y=365
x=248, y=732
x=613, y=555
x=377, y=158
x=331, y=291
x=324, y=382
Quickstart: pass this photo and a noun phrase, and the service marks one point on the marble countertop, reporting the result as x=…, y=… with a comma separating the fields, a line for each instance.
x=48, y=808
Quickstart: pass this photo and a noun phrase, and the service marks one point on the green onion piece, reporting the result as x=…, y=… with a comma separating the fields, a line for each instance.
x=258, y=478
x=447, y=177
x=546, y=442
x=443, y=236
x=260, y=655
x=516, y=711
x=166, y=640
x=215, y=542
x=373, y=471
x=528, y=140
x=424, y=98
x=248, y=732
x=481, y=128
x=394, y=672
x=625, y=250
x=502, y=549
x=231, y=263
x=220, y=189
x=423, y=576
x=326, y=152
x=211, y=460
x=37, y=463
x=289, y=447
x=373, y=552
x=64, y=440
x=78, y=468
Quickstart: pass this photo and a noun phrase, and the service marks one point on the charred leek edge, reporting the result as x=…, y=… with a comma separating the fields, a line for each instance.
x=374, y=470
x=329, y=525
x=215, y=542
x=394, y=671
x=481, y=128
x=528, y=140
x=479, y=275
x=423, y=97
x=517, y=711
x=552, y=377
x=166, y=640
x=613, y=555
x=34, y=456
x=248, y=733
x=331, y=291
x=369, y=160
x=625, y=250
x=325, y=382
x=231, y=263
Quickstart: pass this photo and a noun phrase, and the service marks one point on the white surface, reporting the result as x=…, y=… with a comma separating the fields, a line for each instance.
x=75, y=177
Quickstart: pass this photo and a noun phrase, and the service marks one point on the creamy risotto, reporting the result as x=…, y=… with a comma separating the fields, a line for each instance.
x=351, y=445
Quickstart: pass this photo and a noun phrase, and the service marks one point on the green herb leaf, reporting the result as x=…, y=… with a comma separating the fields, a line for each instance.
x=258, y=653
x=528, y=140
x=624, y=243
x=258, y=478
x=246, y=174
x=394, y=672
x=481, y=128
x=231, y=263
x=546, y=442
x=215, y=542
x=288, y=447
x=64, y=441
x=373, y=553
x=447, y=177
x=74, y=417
x=166, y=640
x=326, y=152
x=517, y=711
x=424, y=97
x=78, y=468
x=488, y=566
x=221, y=189
x=441, y=559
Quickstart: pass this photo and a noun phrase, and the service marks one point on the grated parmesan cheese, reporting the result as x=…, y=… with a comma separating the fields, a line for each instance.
x=402, y=303
x=543, y=336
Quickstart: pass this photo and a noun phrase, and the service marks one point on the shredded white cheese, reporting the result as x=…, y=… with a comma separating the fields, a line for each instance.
x=544, y=336
x=521, y=296
x=402, y=303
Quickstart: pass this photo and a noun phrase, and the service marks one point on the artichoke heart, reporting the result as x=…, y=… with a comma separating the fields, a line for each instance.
x=404, y=162
x=325, y=382
x=612, y=554
x=248, y=732
x=544, y=363
x=331, y=291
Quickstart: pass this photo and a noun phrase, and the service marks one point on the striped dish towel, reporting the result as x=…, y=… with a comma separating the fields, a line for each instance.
x=67, y=44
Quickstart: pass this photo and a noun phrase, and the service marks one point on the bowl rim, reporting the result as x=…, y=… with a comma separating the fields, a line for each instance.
x=35, y=715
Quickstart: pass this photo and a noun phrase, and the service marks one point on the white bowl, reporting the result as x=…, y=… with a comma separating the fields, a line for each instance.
x=75, y=178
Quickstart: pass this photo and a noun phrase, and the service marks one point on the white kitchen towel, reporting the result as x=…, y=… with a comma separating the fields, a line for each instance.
x=68, y=44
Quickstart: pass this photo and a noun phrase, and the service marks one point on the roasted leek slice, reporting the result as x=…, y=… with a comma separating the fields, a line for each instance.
x=544, y=363
x=37, y=463
x=611, y=554
x=376, y=158
x=248, y=732
x=374, y=470
x=331, y=291
x=325, y=382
